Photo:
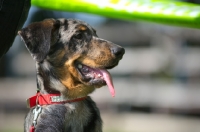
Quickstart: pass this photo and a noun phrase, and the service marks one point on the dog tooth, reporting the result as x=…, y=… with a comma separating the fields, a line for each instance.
x=92, y=76
x=80, y=66
x=87, y=75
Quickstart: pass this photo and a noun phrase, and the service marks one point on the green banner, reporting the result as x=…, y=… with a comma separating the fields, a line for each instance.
x=159, y=11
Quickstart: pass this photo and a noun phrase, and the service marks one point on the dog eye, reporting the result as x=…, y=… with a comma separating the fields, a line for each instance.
x=78, y=36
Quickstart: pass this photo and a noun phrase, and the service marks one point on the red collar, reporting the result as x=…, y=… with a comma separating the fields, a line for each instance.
x=48, y=99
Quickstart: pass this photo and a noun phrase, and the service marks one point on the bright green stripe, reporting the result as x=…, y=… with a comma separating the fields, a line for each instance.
x=163, y=11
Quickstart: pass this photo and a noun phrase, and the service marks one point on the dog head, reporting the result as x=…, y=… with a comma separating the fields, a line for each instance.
x=69, y=54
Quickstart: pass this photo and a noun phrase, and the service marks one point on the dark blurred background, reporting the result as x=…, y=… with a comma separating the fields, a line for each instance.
x=157, y=82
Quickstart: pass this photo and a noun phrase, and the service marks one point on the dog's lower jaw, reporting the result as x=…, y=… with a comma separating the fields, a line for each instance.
x=57, y=86
x=69, y=87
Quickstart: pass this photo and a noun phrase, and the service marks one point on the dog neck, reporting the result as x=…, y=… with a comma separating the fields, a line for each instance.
x=47, y=82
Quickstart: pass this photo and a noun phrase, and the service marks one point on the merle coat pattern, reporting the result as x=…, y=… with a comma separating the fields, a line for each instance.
x=67, y=53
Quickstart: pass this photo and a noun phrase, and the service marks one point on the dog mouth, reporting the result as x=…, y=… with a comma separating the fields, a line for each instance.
x=96, y=76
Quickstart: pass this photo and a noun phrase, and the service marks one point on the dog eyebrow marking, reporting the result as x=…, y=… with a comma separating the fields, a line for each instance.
x=82, y=27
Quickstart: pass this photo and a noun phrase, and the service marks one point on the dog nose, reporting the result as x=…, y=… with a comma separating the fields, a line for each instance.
x=118, y=51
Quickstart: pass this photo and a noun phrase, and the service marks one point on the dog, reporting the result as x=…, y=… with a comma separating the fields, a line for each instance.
x=71, y=62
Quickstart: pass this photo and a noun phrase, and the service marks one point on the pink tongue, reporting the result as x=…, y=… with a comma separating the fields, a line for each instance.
x=107, y=77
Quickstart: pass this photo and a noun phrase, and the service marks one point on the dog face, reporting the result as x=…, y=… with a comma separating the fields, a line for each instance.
x=73, y=53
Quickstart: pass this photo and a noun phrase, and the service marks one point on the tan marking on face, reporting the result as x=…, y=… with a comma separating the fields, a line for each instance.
x=99, y=56
x=48, y=23
x=70, y=78
x=82, y=27
x=67, y=68
x=74, y=86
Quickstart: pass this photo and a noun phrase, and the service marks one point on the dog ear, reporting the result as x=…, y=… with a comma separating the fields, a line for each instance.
x=37, y=37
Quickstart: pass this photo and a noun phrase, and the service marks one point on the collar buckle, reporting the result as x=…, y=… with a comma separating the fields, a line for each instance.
x=56, y=99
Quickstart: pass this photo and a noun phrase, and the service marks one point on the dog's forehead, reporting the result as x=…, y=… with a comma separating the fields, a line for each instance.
x=74, y=24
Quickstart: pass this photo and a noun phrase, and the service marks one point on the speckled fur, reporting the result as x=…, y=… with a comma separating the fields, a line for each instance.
x=56, y=45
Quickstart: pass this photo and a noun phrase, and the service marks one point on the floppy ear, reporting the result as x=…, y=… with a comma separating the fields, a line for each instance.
x=37, y=37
